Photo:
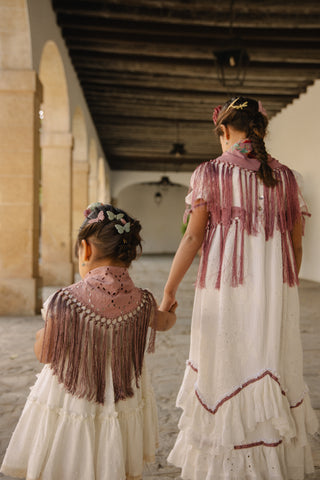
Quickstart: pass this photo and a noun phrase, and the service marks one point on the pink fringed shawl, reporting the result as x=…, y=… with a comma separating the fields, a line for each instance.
x=104, y=311
x=215, y=182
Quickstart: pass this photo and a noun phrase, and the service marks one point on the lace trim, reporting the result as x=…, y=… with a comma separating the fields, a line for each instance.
x=92, y=316
x=215, y=408
x=72, y=415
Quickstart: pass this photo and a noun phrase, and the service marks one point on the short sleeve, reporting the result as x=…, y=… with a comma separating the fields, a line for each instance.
x=44, y=308
x=302, y=203
x=199, y=188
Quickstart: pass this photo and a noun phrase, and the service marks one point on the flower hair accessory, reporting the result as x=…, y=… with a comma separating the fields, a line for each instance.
x=216, y=113
x=99, y=218
x=91, y=207
x=123, y=228
x=113, y=216
x=262, y=109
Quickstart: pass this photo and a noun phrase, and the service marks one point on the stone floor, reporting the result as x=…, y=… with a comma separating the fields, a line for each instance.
x=19, y=366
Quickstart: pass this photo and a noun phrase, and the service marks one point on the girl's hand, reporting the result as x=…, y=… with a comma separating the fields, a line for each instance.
x=166, y=319
x=168, y=302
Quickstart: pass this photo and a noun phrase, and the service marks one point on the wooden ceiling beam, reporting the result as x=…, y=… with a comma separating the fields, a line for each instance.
x=187, y=68
x=205, y=15
x=166, y=32
x=95, y=78
x=261, y=51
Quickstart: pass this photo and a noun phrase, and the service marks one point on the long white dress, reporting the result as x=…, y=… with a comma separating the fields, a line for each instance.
x=62, y=437
x=246, y=408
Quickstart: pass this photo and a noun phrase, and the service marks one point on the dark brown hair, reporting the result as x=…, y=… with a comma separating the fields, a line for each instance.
x=243, y=114
x=104, y=234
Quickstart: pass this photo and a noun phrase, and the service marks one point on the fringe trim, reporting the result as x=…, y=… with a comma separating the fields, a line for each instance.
x=214, y=182
x=77, y=341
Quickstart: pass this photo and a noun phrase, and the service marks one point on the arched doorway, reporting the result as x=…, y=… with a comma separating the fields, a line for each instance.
x=93, y=172
x=56, y=143
x=80, y=174
x=161, y=220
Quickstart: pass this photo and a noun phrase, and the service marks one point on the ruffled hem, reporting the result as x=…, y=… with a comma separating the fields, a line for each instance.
x=255, y=423
x=259, y=463
x=60, y=437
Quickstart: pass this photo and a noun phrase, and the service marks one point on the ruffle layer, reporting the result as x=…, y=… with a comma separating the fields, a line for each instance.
x=60, y=437
x=258, y=421
x=259, y=463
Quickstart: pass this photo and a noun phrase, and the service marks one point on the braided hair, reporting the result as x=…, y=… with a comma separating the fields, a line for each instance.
x=114, y=233
x=244, y=115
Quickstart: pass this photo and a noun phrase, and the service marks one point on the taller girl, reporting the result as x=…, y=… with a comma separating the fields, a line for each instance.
x=246, y=410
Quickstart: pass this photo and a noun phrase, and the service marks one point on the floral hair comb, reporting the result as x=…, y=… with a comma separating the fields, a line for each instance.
x=262, y=109
x=216, y=112
x=123, y=228
x=112, y=216
x=99, y=218
x=91, y=207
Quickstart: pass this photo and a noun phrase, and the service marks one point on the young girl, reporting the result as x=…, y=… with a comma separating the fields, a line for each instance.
x=246, y=408
x=91, y=415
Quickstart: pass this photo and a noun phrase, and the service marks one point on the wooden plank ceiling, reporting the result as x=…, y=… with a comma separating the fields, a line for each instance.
x=150, y=77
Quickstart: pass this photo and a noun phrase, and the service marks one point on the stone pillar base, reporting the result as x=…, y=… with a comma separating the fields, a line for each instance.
x=20, y=296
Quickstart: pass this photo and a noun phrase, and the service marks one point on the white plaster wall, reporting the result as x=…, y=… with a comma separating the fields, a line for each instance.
x=43, y=27
x=293, y=139
x=161, y=224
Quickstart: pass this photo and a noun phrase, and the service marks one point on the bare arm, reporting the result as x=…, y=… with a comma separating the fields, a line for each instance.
x=296, y=237
x=41, y=344
x=38, y=344
x=187, y=250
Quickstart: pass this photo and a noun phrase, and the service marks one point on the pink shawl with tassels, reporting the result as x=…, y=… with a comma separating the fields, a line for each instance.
x=102, y=312
x=234, y=175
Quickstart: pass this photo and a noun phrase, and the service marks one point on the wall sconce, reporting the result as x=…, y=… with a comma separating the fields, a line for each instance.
x=157, y=198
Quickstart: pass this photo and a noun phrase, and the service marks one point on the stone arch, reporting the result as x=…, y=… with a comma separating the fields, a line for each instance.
x=80, y=173
x=56, y=143
x=55, y=90
x=20, y=97
x=93, y=171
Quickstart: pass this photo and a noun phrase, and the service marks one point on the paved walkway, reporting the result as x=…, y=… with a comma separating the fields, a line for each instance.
x=19, y=366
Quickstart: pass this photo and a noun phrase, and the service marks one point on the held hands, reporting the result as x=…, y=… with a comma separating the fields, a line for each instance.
x=166, y=319
x=168, y=302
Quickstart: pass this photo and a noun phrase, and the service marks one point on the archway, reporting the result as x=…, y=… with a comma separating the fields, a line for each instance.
x=80, y=173
x=93, y=172
x=56, y=142
x=103, y=183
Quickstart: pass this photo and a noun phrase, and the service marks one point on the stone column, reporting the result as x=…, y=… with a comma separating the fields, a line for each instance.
x=20, y=97
x=80, y=200
x=56, y=243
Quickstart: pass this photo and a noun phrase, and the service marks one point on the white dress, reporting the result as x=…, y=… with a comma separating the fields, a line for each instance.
x=246, y=408
x=62, y=437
